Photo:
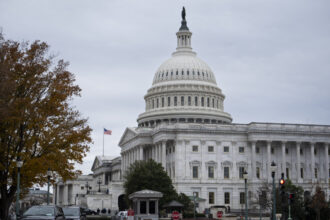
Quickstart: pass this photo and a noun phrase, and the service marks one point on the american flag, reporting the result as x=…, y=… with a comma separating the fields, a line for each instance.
x=109, y=132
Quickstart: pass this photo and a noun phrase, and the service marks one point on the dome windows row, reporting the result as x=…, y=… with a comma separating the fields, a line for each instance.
x=183, y=74
x=174, y=101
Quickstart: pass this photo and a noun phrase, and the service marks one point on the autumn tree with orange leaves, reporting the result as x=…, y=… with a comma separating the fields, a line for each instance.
x=38, y=123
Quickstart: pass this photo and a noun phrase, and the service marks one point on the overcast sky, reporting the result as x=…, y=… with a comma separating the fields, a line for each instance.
x=270, y=58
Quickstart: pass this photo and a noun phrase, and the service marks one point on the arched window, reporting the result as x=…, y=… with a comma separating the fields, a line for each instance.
x=182, y=72
x=166, y=73
x=175, y=101
x=196, y=101
x=202, y=101
x=182, y=100
x=213, y=103
x=157, y=103
x=177, y=72
x=163, y=101
x=153, y=103
x=168, y=101
x=189, y=100
x=187, y=72
x=208, y=102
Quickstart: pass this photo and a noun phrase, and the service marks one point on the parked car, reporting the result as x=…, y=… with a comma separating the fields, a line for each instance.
x=90, y=212
x=122, y=215
x=44, y=212
x=74, y=213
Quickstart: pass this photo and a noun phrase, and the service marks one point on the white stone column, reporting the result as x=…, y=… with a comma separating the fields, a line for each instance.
x=312, y=161
x=65, y=200
x=298, y=145
x=141, y=152
x=326, y=154
x=283, y=158
x=269, y=162
x=164, y=154
x=253, y=160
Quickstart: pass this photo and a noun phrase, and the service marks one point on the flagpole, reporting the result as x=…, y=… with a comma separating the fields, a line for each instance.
x=103, y=142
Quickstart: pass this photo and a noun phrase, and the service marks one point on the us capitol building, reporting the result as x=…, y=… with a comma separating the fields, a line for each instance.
x=186, y=129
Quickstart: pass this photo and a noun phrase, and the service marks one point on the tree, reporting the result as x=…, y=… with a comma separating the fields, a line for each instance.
x=38, y=125
x=318, y=202
x=149, y=175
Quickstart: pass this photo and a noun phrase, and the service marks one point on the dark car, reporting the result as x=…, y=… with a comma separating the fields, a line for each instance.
x=74, y=213
x=90, y=212
x=46, y=212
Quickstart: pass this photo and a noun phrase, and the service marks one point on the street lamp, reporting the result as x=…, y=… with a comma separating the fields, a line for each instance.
x=273, y=168
x=19, y=164
x=87, y=187
x=245, y=176
x=49, y=174
x=99, y=181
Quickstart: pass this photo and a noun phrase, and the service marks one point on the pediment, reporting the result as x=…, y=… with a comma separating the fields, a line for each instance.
x=96, y=163
x=129, y=134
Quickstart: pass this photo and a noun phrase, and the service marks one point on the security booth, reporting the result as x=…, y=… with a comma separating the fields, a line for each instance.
x=173, y=207
x=145, y=204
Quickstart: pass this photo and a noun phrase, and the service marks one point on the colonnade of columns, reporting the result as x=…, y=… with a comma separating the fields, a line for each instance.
x=311, y=149
x=156, y=152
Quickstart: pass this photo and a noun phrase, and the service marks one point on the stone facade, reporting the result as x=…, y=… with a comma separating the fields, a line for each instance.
x=185, y=128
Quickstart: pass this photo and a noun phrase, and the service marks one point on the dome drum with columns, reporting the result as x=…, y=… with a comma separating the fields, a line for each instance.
x=184, y=89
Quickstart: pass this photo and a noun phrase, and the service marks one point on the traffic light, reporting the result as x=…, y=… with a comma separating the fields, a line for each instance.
x=291, y=198
x=282, y=188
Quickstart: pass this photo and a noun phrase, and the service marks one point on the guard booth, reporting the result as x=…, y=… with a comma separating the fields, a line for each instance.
x=145, y=204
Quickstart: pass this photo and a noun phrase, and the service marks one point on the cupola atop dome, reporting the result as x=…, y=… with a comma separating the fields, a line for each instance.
x=184, y=88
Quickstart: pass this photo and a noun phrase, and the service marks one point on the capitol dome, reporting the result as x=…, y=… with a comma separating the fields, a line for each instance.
x=184, y=89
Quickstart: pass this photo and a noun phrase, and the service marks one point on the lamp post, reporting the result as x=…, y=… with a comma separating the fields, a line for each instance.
x=19, y=164
x=99, y=181
x=87, y=187
x=245, y=176
x=273, y=169
x=49, y=174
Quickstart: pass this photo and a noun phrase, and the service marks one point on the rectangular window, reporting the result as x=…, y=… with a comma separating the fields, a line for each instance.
x=227, y=198
x=210, y=149
x=241, y=172
x=196, y=194
x=301, y=151
x=287, y=173
x=195, y=148
x=315, y=173
x=195, y=172
x=241, y=198
x=272, y=150
x=168, y=101
x=258, y=172
x=153, y=103
x=163, y=100
x=226, y=149
x=175, y=101
x=213, y=103
x=152, y=207
x=286, y=150
x=211, y=197
x=226, y=172
x=182, y=100
x=157, y=103
x=241, y=150
x=143, y=207
x=189, y=100
x=329, y=151
x=196, y=101
x=202, y=101
x=82, y=188
x=257, y=150
x=315, y=151
x=211, y=172
x=208, y=102
x=302, y=173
